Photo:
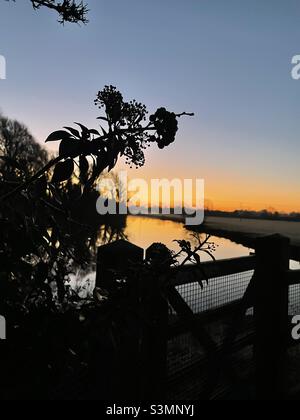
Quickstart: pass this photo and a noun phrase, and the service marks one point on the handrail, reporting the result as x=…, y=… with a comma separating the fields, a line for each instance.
x=293, y=277
x=212, y=269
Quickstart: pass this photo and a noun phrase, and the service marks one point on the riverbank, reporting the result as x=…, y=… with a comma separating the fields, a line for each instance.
x=245, y=231
x=250, y=229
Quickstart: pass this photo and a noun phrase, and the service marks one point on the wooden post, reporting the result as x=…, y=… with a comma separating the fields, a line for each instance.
x=141, y=365
x=115, y=256
x=271, y=316
x=125, y=372
x=154, y=339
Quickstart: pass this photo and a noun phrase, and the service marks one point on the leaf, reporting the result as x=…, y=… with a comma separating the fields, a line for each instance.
x=41, y=186
x=204, y=275
x=73, y=131
x=55, y=194
x=63, y=171
x=58, y=135
x=197, y=258
x=96, y=146
x=93, y=131
x=104, y=132
x=99, y=167
x=84, y=129
x=69, y=148
x=83, y=165
x=112, y=164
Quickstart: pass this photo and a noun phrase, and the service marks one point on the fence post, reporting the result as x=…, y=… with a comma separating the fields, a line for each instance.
x=271, y=316
x=125, y=370
x=154, y=339
x=141, y=369
x=115, y=256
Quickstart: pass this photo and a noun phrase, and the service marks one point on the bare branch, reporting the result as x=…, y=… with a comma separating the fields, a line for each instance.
x=188, y=114
x=73, y=11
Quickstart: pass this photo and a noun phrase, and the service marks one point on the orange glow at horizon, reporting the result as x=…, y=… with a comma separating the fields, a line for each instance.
x=226, y=193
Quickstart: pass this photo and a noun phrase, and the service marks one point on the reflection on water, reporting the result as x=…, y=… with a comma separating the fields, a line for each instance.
x=83, y=281
x=143, y=231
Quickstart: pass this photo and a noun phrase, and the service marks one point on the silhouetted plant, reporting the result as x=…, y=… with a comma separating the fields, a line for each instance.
x=126, y=132
x=192, y=249
x=47, y=228
x=54, y=237
x=159, y=255
x=48, y=231
x=69, y=10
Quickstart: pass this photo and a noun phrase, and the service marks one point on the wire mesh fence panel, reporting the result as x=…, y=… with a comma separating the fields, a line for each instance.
x=187, y=360
x=293, y=359
x=293, y=369
x=294, y=300
x=183, y=351
x=216, y=293
x=189, y=368
x=215, y=307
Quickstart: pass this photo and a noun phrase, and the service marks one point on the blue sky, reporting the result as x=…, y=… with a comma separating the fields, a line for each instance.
x=227, y=61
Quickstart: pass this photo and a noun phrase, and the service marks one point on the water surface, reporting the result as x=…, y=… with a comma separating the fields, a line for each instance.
x=143, y=231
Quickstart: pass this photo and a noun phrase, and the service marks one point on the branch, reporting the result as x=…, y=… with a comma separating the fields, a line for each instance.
x=69, y=10
x=26, y=184
x=189, y=114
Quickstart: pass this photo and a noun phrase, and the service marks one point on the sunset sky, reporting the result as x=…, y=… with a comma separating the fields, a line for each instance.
x=227, y=61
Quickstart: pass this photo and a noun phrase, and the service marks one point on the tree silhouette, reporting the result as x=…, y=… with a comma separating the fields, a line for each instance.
x=69, y=10
x=19, y=151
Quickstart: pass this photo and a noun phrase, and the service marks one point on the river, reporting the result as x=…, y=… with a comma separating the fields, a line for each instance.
x=144, y=231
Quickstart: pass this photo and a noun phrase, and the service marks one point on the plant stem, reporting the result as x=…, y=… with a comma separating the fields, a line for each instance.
x=32, y=179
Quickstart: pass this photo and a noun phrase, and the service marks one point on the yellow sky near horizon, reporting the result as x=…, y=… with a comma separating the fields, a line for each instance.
x=224, y=190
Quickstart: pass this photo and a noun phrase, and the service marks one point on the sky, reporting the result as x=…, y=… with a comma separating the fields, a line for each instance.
x=228, y=62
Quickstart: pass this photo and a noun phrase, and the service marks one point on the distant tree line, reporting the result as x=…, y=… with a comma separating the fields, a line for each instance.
x=251, y=214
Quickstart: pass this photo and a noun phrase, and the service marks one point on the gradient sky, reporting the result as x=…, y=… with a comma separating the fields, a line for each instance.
x=227, y=61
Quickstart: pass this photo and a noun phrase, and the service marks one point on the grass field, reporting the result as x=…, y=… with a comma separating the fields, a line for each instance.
x=252, y=228
x=244, y=229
